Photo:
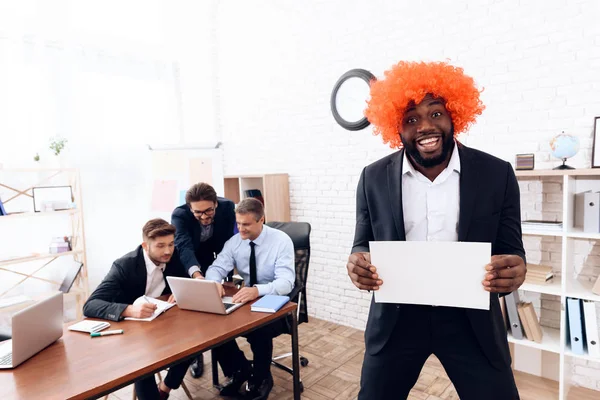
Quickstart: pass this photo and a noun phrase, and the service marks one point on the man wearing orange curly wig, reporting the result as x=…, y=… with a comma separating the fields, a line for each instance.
x=435, y=189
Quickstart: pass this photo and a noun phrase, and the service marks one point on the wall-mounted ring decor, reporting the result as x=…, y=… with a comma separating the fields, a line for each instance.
x=348, y=99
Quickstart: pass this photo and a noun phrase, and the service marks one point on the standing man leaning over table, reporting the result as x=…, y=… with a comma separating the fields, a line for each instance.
x=142, y=273
x=204, y=223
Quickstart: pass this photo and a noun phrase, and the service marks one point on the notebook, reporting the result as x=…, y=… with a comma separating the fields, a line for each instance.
x=269, y=303
x=89, y=326
x=161, y=307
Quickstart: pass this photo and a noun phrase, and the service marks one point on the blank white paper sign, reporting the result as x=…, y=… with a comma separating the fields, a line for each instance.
x=432, y=273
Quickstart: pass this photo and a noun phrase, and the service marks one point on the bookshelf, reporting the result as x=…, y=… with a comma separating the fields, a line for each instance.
x=275, y=189
x=569, y=280
x=29, y=264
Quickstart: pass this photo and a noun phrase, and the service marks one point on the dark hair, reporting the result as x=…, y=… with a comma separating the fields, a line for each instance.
x=251, y=205
x=199, y=192
x=156, y=228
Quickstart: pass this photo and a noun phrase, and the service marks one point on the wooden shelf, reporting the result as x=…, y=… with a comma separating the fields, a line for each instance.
x=585, y=356
x=38, y=214
x=578, y=233
x=37, y=169
x=553, y=288
x=273, y=187
x=541, y=231
x=559, y=172
x=42, y=256
x=550, y=340
x=581, y=290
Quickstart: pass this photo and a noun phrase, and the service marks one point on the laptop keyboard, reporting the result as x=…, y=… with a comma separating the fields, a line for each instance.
x=228, y=305
x=6, y=360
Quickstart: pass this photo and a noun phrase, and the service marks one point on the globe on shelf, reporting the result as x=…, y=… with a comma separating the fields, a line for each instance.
x=564, y=146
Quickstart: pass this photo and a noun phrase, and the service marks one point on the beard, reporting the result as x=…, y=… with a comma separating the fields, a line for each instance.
x=415, y=155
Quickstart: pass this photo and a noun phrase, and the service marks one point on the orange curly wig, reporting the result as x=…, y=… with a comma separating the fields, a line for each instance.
x=408, y=82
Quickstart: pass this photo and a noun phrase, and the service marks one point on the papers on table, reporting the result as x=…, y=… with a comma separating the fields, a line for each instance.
x=432, y=273
x=161, y=307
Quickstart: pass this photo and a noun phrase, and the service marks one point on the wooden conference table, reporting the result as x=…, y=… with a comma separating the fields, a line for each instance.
x=80, y=367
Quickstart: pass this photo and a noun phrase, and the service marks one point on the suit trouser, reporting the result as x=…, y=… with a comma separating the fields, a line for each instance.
x=146, y=389
x=447, y=333
x=232, y=359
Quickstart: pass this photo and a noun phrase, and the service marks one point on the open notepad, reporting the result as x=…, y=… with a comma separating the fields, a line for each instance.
x=161, y=307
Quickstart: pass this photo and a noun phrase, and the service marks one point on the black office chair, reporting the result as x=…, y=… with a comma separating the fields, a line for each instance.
x=299, y=232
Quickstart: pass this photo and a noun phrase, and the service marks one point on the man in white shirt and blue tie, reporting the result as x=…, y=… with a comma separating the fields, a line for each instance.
x=264, y=257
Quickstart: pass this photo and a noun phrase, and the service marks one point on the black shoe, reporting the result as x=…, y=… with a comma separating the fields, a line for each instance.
x=259, y=391
x=197, y=366
x=233, y=384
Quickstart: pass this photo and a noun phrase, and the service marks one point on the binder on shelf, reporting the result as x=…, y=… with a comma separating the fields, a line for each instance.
x=591, y=328
x=534, y=324
x=524, y=321
x=503, y=311
x=575, y=330
x=512, y=299
x=587, y=211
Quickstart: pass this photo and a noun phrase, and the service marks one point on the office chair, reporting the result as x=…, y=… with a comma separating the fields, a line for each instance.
x=299, y=232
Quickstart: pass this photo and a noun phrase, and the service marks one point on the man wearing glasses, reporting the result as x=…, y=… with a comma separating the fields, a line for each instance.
x=203, y=225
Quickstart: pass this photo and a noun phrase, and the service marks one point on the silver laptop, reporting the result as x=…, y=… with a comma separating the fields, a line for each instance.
x=200, y=295
x=33, y=329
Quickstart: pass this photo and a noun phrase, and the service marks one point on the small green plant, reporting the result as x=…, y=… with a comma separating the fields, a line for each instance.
x=36, y=157
x=57, y=144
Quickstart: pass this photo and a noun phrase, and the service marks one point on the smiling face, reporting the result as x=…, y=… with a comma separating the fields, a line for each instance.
x=204, y=211
x=249, y=226
x=427, y=133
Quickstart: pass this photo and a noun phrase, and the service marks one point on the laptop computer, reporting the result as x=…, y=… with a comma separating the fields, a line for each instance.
x=33, y=329
x=200, y=295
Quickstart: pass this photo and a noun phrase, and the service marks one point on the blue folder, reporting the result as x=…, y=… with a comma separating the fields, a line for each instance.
x=269, y=303
x=574, y=318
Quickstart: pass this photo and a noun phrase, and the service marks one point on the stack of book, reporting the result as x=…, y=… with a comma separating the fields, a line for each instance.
x=542, y=225
x=539, y=274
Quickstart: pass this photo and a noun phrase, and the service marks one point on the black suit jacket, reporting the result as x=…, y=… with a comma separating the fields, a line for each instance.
x=489, y=212
x=187, y=236
x=124, y=283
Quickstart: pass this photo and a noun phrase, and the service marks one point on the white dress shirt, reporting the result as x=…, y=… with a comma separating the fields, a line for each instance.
x=275, y=266
x=431, y=209
x=155, y=281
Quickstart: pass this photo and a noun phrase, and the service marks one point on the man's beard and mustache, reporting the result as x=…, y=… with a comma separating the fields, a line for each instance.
x=447, y=147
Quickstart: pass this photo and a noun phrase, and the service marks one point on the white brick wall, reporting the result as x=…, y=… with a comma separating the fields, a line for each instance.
x=277, y=63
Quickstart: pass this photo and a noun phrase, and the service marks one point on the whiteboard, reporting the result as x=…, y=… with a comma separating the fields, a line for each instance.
x=176, y=168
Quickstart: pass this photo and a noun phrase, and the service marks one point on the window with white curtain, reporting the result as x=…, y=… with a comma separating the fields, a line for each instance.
x=98, y=74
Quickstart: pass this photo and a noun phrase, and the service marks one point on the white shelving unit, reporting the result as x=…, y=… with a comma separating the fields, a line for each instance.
x=573, y=181
x=17, y=186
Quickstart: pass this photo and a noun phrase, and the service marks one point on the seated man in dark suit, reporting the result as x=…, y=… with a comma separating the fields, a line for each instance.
x=264, y=257
x=204, y=223
x=142, y=273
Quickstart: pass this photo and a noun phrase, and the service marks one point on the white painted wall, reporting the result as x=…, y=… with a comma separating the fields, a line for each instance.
x=539, y=63
x=258, y=75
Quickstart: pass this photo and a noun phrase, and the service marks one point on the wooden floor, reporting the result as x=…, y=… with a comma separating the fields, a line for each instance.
x=335, y=354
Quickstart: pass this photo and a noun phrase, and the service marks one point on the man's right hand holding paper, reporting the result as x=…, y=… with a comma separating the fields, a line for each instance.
x=362, y=273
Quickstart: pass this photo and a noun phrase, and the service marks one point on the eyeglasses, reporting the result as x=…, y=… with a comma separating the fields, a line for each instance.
x=209, y=212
